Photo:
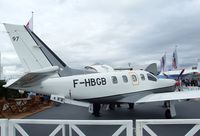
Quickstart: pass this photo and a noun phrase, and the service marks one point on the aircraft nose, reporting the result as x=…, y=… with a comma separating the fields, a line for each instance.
x=170, y=84
x=172, y=81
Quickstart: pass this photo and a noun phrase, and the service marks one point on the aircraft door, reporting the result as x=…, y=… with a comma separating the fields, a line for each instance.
x=134, y=78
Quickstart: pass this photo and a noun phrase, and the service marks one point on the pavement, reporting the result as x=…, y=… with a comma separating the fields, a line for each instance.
x=185, y=110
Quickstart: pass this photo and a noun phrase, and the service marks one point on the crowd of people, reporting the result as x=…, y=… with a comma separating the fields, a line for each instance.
x=191, y=82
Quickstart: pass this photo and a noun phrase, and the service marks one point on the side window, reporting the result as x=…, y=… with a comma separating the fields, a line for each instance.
x=125, y=79
x=114, y=79
x=151, y=77
x=142, y=76
x=134, y=78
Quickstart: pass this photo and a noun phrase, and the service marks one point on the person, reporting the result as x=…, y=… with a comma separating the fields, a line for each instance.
x=131, y=106
x=31, y=94
x=186, y=82
x=198, y=82
x=183, y=82
x=192, y=82
x=189, y=82
x=96, y=109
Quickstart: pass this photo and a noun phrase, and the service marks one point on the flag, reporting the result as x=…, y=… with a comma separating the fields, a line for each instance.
x=198, y=65
x=175, y=60
x=163, y=62
x=30, y=23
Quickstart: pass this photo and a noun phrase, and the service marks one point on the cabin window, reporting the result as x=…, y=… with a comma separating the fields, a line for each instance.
x=142, y=76
x=125, y=79
x=114, y=80
x=134, y=78
x=151, y=77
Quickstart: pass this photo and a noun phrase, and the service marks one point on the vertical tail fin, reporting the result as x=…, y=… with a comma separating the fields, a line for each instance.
x=34, y=53
x=27, y=49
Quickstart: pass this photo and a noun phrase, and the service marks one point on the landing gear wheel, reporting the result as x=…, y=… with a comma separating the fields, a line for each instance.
x=112, y=106
x=168, y=114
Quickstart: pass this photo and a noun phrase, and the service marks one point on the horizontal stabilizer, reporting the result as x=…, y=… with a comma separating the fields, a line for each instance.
x=62, y=99
x=46, y=70
x=170, y=96
x=32, y=78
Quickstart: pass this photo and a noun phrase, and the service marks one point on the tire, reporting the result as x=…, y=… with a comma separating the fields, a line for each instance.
x=112, y=106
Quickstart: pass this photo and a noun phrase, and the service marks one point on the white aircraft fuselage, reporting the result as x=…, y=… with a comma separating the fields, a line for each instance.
x=101, y=85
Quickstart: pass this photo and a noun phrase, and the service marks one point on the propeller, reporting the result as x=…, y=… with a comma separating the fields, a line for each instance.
x=178, y=82
x=180, y=74
x=166, y=75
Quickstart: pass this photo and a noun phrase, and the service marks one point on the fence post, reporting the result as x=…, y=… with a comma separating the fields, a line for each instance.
x=70, y=130
x=129, y=128
x=11, y=129
x=139, y=128
x=4, y=128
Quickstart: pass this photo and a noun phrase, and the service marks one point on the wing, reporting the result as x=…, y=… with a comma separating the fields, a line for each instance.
x=170, y=96
x=133, y=97
x=32, y=78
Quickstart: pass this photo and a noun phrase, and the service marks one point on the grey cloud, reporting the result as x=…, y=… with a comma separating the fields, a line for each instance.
x=84, y=32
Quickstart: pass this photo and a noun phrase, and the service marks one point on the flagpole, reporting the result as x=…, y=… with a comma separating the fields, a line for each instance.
x=32, y=16
x=176, y=57
x=0, y=67
x=164, y=61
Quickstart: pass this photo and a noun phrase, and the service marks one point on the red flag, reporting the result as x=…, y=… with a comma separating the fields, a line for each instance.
x=163, y=63
x=175, y=60
x=30, y=24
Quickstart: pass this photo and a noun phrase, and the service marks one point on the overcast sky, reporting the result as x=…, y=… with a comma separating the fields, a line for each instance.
x=113, y=32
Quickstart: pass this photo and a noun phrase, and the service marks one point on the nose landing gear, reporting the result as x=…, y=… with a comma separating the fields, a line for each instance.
x=170, y=111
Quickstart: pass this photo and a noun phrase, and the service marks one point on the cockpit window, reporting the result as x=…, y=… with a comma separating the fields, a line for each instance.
x=134, y=78
x=125, y=79
x=151, y=77
x=142, y=76
x=114, y=80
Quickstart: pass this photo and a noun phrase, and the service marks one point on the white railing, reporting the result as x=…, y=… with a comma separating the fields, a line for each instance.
x=14, y=124
x=143, y=125
x=9, y=127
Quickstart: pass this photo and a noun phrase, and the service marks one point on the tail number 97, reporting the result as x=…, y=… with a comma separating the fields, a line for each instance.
x=15, y=38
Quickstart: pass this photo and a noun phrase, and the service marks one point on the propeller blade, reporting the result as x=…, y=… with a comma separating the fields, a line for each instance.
x=180, y=74
x=166, y=75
